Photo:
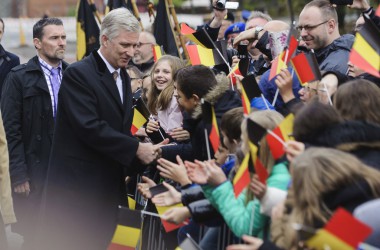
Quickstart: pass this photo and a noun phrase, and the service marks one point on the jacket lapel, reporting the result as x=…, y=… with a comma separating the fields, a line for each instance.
x=107, y=80
x=128, y=102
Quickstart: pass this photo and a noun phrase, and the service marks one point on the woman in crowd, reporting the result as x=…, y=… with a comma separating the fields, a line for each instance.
x=162, y=103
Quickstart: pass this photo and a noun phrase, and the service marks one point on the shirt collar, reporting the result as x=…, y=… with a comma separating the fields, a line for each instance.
x=48, y=66
x=109, y=66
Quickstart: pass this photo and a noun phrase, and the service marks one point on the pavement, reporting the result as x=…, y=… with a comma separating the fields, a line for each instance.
x=14, y=240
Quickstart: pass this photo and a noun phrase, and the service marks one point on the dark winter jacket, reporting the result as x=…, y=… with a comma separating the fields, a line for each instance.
x=7, y=62
x=335, y=56
x=28, y=122
x=223, y=100
x=359, y=138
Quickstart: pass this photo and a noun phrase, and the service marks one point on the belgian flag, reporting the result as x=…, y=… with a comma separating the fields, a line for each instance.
x=158, y=52
x=242, y=177
x=279, y=135
x=208, y=57
x=127, y=232
x=198, y=37
x=291, y=45
x=87, y=29
x=365, y=52
x=114, y=4
x=306, y=67
x=163, y=30
x=250, y=89
x=140, y=116
x=342, y=231
x=255, y=134
x=209, y=119
x=277, y=64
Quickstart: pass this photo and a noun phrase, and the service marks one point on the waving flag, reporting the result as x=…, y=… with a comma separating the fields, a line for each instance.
x=127, y=232
x=209, y=119
x=342, y=231
x=242, y=177
x=255, y=134
x=140, y=116
x=365, y=52
x=250, y=89
x=198, y=37
x=163, y=29
x=87, y=29
x=306, y=67
x=280, y=135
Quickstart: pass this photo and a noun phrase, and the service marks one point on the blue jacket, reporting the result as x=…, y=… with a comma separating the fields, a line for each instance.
x=335, y=56
x=269, y=88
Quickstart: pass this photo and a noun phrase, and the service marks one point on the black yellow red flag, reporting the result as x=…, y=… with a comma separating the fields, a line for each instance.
x=365, y=53
x=114, y=4
x=209, y=119
x=140, y=116
x=163, y=29
x=128, y=229
x=87, y=29
x=306, y=67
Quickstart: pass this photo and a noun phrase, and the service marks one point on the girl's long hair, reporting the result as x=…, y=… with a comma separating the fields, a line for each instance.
x=160, y=100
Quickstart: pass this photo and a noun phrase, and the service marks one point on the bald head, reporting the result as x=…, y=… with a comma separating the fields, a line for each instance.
x=276, y=26
x=144, y=52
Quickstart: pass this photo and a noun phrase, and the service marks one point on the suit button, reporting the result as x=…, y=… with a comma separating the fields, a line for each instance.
x=38, y=137
x=37, y=161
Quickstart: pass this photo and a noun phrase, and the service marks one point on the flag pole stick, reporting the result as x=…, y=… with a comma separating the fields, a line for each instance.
x=276, y=137
x=150, y=213
x=221, y=55
x=206, y=137
x=178, y=29
x=136, y=13
x=217, y=49
x=265, y=101
x=275, y=97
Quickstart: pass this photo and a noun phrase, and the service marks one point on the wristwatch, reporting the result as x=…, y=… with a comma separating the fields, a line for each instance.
x=257, y=30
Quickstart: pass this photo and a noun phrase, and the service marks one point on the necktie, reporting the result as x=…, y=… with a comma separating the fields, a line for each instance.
x=55, y=83
x=115, y=74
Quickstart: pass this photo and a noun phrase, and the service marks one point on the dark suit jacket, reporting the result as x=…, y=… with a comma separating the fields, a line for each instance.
x=92, y=144
x=28, y=122
x=7, y=62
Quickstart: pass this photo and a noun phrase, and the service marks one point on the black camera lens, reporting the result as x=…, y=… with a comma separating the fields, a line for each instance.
x=220, y=4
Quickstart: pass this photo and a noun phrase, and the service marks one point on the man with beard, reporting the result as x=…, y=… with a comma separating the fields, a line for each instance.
x=318, y=27
x=29, y=108
x=143, y=57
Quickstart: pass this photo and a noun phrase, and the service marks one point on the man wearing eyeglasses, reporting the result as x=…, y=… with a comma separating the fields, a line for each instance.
x=318, y=27
x=143, y=57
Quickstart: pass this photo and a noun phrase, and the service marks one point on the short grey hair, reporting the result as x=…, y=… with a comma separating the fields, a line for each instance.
x=116, y=20
x=259, y=14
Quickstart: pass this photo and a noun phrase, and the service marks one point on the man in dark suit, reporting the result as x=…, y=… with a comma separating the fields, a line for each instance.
x=28, y=107
x=7, y=59
x=93, y=148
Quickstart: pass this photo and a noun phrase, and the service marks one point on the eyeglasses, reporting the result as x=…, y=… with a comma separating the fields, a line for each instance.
x=310, y=27
x=141, y=44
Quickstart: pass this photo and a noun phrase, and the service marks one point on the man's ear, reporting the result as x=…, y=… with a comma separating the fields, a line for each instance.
x=37, y=43
x=196, y=97
x=104, y=40
x=332, y=25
